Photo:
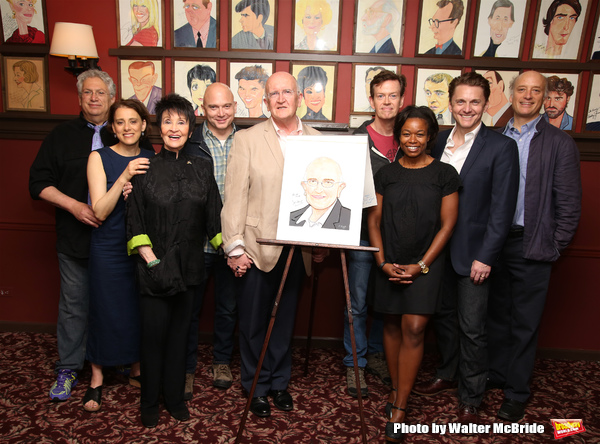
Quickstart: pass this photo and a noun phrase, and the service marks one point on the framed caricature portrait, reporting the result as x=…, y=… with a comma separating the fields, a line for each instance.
x=193, y=17
x=499, y=109
x=25, y=83
x=592, y=120
x=317, y=86
x=442, y=30
x=560, y=103
x=24, y=22
x=499, y=29
x=191, y=78
x=431, y=90
x=362, y=74
x=323, y=189
x=559, y=28
x=595, y=46
x=379, y=25
x=316, y=25
x=140, y=22
x=253, y=24
x=247, y=80
x=142, y=79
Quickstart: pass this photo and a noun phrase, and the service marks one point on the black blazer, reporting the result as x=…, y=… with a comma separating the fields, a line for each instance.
x=487, y=199
x=338, y=219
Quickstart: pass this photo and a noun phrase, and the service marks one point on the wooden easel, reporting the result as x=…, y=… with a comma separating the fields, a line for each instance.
x=293, y=246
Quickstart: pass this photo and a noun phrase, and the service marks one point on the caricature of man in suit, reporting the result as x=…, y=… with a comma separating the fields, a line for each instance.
x=443, y=24
x=322, y=186
x=201, y=29
x=143, y=76
x=255, y=33
x=379, y=21
x=488, y=164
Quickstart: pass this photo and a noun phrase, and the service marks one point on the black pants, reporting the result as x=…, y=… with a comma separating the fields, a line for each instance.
x=255, y=303
x=517, y=299
x=165, y=327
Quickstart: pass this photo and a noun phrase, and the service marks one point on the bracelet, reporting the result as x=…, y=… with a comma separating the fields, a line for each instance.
x=153, y=263
x=381, y=265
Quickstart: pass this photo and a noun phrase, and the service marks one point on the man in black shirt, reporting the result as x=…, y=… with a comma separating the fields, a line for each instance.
x=58, y=176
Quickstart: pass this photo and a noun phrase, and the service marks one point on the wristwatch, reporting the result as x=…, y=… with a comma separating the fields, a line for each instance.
x=424, y=268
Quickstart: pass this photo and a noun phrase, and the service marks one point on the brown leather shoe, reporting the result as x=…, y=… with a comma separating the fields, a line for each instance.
x=434, y=386
x=468, y=414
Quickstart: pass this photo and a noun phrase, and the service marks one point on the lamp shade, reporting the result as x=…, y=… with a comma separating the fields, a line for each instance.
x=73, y=39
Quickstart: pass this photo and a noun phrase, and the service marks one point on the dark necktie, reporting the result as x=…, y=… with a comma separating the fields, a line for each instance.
x=199, y=44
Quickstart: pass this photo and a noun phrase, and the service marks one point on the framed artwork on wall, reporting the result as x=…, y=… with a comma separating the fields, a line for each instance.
x=317, y=87
x=316, y=25
x=195, y=24
x=142, y=79
x=595, y=45
x=247, y=80
x=362, y=74
x=592, y=120
x=25, y=83
x=442, y=30
x=24, y=22
x=499, y=28
x=499, y=109
x=379, y=27
x=253, y=25
x=141, y=23
x=560, y=104
x=192, y=77
x=559, y=29
x=431, y=90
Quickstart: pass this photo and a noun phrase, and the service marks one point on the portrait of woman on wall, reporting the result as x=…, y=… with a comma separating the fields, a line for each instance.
x=23, y=21
x=316, y=25
x=25, y=84
x=191, y=78
x=140, y=23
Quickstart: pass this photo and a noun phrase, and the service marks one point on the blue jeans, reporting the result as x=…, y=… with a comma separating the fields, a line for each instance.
x=359, y=270
x=225, y=312
x=73, y=307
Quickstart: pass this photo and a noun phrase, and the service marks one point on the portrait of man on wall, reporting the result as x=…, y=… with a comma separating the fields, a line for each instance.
x=252, y=24
x=556, y=103
x=499, y=28
x=247, y=82
x=379, y=26
x=142, y=80
x=195, y=23
x=559, y=29
x=442, y=27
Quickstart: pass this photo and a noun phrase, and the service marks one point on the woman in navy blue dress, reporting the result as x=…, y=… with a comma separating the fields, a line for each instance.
x=114, y=315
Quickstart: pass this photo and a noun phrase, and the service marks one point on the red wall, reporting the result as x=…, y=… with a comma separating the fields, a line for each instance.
x=29, y=281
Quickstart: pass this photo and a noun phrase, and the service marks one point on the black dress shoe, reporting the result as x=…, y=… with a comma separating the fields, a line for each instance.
x=282, y=400
x=182, y=414
x=511, y=410
x=260, y=406
x=150, y=419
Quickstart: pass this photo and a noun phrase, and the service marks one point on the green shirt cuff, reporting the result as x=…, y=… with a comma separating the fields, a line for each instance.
x=137, y=241
x=216, y=241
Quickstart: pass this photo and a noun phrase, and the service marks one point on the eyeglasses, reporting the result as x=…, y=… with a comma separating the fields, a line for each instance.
x=436, y=22
x=287, y=93
x=326, y=183
x=89, y=93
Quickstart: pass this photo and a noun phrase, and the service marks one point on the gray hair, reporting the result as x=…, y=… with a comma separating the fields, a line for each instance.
x=91, y=73
x=390, y=8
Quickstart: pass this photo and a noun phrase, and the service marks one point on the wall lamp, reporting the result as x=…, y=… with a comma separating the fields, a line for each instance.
x=75, y=41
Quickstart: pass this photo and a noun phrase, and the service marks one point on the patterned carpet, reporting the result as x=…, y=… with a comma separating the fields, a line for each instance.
x=323, y=413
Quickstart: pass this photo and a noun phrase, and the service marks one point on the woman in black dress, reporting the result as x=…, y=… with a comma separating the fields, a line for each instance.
x=417, y=206
x=170, y=212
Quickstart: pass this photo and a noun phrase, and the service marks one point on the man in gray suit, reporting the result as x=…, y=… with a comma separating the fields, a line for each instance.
x=201, y=29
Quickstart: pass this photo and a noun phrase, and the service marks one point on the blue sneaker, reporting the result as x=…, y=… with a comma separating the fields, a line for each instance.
x=65, y=381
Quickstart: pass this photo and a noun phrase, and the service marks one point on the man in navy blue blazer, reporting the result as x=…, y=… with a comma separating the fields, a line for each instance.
x=488, y=164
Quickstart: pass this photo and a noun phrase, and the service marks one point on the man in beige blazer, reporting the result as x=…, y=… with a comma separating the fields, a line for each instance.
x=252, y=193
